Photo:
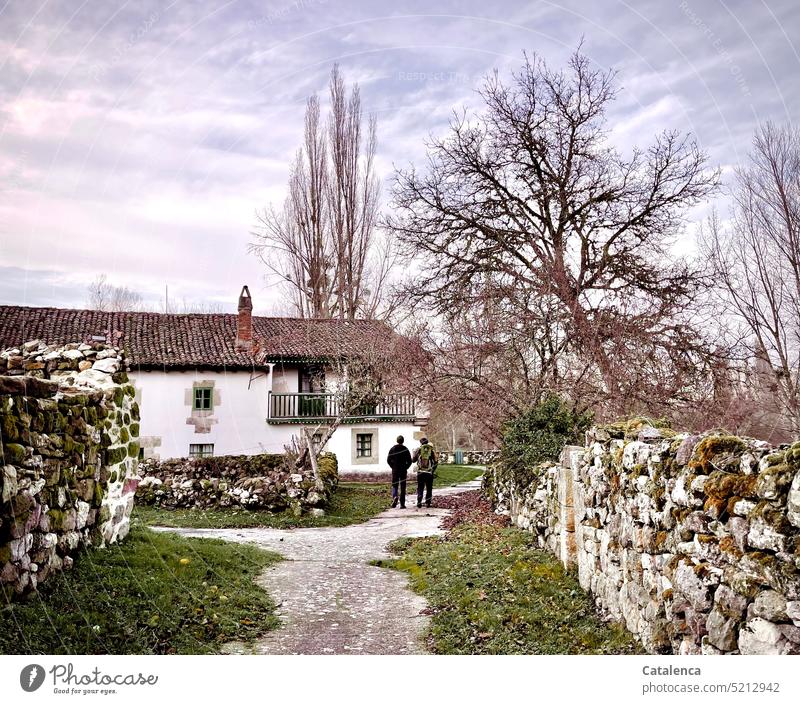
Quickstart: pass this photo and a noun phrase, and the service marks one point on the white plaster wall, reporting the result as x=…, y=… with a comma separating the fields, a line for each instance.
x=241, y=427
x=341, y=444
x=285, y=379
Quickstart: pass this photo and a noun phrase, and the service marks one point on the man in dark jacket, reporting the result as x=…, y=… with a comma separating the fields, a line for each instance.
x=399, y=460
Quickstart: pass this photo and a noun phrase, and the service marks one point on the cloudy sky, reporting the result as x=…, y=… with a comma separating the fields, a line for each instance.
x=137, y=138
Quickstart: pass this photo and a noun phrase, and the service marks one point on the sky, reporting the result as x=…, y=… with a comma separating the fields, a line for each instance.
x=138, y=138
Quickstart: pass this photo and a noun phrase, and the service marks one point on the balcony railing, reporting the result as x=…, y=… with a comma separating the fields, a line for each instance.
x=317, y=406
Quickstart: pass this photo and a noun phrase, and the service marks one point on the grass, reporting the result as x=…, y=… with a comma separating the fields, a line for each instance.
x=153, y=593
x=449, y=474
x=351, y=503
x=493, y=592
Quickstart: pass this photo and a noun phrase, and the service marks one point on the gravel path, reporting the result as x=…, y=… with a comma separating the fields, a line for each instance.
x=329, y=599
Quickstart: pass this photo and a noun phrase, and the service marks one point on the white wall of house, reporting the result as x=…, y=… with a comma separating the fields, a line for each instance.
x=344, y=445
x=237, y=423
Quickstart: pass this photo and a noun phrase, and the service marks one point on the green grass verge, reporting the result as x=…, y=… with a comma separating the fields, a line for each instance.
x=493, y=592
x=351, y=503
x=152, y=593
x=449, y=474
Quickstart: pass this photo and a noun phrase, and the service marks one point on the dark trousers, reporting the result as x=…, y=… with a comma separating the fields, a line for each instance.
x=424, y=483
x=399, y=485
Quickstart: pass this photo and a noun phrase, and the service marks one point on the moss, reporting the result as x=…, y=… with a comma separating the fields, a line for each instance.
x=629, y=429
x=56, y=519
x=124, y=436
x=134, y=430
x=133, y=449
x=775, y=479
x=721, y=485
x=8, y=428
x=728, y=546
x=115, y=455
x=774, y=518
x=712, y=446
x=13, y=453
x=119, y=396
x=715, y=507
x=776, y=458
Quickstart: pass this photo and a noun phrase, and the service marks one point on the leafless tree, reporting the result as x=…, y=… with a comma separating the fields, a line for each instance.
x=104, y=296
x=199, y=307
x=324, y=242
x=528, y=207
x=386, y=365
x=755, y=258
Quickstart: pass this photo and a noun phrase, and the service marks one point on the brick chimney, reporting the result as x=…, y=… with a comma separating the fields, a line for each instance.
x=244, y=323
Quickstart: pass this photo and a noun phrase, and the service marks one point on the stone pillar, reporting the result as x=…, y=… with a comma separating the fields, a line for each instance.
x=568, y=551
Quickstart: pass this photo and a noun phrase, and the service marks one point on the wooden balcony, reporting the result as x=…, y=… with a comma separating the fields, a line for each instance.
x=318, y=407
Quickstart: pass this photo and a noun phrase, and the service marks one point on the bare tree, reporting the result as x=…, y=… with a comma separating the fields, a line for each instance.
x=324, y=242
x=199, y=307
x=104, y=296
x=756, y=261
x=530, y=201
x=385, y=367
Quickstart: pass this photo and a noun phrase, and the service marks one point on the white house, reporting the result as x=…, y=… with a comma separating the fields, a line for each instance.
x=224, y=384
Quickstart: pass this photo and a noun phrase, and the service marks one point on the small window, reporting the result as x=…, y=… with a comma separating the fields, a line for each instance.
x=364, y=445
x=201, y=450
x=202, y=398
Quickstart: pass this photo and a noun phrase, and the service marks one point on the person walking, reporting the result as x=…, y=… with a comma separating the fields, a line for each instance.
x=426, y=460
x=399, y=460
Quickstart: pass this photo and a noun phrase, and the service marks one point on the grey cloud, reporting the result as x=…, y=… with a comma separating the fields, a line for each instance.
x=138, y=138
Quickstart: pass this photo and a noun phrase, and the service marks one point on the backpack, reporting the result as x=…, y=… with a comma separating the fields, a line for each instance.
x=425, y=457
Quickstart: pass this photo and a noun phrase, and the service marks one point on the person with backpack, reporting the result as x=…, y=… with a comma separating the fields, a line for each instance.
x=426, y=460
x=399, y=460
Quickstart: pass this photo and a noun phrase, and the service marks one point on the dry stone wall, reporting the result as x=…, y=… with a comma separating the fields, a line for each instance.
x=68, y=454
x=476, y=457
x=693, y=541
x=248, y=481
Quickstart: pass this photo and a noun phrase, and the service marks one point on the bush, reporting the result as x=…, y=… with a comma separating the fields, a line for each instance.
x=538, y=434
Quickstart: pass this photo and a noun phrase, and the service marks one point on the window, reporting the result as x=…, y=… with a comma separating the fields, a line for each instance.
x=316, y=439
x=201, y=450
x=364, y=445
x=202, y=398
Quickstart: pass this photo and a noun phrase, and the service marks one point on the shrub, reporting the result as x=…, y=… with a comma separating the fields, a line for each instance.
x=538, y=434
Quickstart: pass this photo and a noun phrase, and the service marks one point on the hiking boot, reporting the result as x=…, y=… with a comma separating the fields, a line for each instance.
x=419, y=504
x=403, y=506
x=394, y=503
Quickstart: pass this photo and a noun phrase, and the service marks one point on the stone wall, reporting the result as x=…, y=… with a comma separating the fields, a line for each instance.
x=265, y=482
x=693, y=541
x=477, y=457
x=68, y=454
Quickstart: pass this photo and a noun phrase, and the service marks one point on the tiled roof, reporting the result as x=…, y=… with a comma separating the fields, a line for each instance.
x=158, y=340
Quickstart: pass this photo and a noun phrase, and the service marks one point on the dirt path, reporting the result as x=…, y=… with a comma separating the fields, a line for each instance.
x=329, y=599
